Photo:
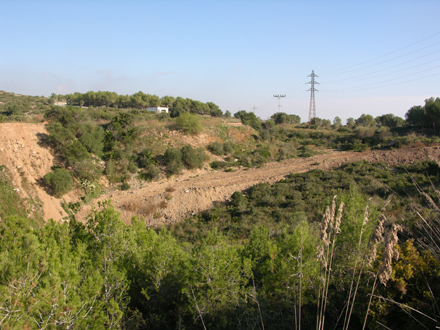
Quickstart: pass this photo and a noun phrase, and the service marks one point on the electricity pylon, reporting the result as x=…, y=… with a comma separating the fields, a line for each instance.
x=279, y=101
x=312, y=108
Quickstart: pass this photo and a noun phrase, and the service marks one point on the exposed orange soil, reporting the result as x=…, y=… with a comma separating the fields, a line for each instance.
x=28, y=161
x=168, y=200
x=200, y=190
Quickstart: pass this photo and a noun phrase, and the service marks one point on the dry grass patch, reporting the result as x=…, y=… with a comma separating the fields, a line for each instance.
x=157, y=215
x=170, y=189
x=147, y=210
x=163, y=205
x=38, y=118
x=130, y=206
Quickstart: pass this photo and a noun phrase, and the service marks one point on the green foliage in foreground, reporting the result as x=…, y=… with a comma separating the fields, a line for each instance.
x=244, y=265
x=106, y=275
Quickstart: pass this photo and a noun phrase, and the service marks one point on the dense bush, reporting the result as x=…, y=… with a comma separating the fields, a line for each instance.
x=145, y=158
x=219, y=164
x=193, y=158
x=228, y=148
x=150, y=173
x=216, y=148
x=189, y=123
x=220, y=149
x=14, y=110
x=59, y=181
x=173, y=160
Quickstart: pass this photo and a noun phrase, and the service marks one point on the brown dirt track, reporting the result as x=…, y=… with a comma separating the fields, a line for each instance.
x=196, y=193
x=168, y=200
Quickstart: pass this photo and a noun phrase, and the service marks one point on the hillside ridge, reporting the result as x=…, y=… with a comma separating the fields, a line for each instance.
x=170, y=199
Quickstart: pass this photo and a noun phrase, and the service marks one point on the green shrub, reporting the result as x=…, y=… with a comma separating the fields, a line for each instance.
x=189, y=123
x=216, y=148
x=86, y=170
x=75, y=152
x=14, y=110
x=163, y=116
x=125, y=186
x=93, y=140
x=176, y=112
x=228, y=148
x=192, y=158
x=59, y=181
x=109, y=168
x=238, y=200
x=219, y=164
x=151, y=173
x=173, y=160
x=132, y=168
x=145, y=158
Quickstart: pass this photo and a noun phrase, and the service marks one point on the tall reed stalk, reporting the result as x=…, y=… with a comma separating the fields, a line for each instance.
x=385, y=269
x=350, y=301
x=329, y=225
x=369, y=256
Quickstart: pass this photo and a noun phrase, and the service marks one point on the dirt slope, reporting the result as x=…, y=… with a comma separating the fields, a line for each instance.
x=168, y=200
x=200, y=190
x=28, y=161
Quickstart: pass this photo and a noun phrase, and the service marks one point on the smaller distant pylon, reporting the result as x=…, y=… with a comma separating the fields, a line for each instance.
x=279, y=101
x=312, y=108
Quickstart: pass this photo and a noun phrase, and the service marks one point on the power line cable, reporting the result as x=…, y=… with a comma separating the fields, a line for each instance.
x=367, y=74
x=386, y=61
x=381, y=56
x=360, y=88
x=384, y=74
x=298, y=86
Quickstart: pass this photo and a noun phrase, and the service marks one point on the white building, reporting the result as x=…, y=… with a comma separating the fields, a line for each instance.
x=158, y=109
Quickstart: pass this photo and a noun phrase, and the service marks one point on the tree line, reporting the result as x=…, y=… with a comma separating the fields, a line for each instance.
x=140, y=101
x=427, y=116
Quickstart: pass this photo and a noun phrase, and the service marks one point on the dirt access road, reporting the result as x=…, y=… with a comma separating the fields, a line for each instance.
x=173, y=199
x=168, y=200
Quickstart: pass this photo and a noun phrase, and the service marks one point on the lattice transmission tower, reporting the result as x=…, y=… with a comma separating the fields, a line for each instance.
x=312, y=108
x=279, y=101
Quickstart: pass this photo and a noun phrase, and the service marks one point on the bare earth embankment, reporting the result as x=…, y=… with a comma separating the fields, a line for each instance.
x=168, y=200
x=28, y=161
x=198, y=191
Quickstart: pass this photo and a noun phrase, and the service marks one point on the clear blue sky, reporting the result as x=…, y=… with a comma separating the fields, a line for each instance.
x=371, y=56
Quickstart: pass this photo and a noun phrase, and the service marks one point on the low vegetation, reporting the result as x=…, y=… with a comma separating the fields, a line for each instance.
x=352, y=248
x=251, y=263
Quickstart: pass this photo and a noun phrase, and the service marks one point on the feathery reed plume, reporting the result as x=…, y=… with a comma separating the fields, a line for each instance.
x=437, y=192
x=387, y=202
x=332, y=213
x=369, y=256
x=325, y=241
x=325, y=224
x=339, y=218
x=375, y=238
x=321, y=257
x=328, y=226
x=430, y=201
x=385, y=269
x=350, y=301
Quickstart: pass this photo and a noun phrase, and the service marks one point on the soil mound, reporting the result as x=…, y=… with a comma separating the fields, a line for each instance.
x=23, y=153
